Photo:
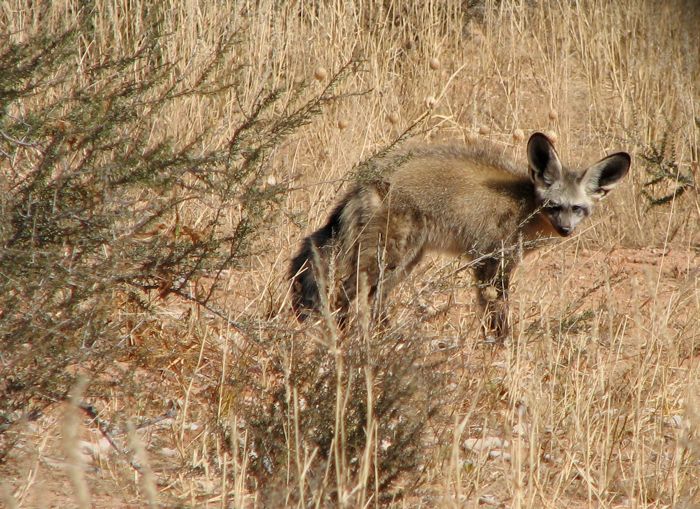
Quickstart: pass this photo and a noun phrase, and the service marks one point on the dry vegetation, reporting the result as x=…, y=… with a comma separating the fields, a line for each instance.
x=174, y=374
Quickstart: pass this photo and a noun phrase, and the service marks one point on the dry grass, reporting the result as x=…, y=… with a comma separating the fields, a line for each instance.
x=596, y=401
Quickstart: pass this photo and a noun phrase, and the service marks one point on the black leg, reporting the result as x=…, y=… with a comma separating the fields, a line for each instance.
x=493, y=277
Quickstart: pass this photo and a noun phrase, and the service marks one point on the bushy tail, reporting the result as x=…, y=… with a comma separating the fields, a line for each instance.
x=303, y=271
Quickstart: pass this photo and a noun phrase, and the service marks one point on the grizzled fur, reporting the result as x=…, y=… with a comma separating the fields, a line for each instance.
x=460, y=200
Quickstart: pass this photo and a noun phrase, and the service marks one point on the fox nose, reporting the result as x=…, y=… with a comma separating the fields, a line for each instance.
x=565, y=230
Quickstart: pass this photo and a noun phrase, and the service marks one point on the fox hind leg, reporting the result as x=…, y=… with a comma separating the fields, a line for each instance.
x=493, y=275
x=385, y=254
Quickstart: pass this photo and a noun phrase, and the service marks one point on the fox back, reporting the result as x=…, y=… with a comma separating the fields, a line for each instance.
x=459, y=200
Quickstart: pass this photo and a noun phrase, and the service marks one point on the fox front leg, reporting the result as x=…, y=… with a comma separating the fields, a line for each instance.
x=493, y=277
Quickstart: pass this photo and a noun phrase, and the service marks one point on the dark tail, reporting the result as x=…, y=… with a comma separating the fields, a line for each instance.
x=303, y=271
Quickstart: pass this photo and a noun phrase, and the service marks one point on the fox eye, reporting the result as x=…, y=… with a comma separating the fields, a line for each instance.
x=554, y=208
x=577, y=209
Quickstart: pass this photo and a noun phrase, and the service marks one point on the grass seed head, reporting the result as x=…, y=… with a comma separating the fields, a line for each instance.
x=320, y=73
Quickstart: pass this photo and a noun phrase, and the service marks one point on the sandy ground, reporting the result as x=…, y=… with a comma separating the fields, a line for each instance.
x=641, y=285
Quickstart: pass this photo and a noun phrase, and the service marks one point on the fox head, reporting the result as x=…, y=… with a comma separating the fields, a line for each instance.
x=567, y=196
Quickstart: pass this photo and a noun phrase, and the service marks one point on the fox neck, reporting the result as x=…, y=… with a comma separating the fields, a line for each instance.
x=537, y=229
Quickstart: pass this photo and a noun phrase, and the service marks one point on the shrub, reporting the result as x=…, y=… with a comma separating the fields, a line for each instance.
x=94, y=186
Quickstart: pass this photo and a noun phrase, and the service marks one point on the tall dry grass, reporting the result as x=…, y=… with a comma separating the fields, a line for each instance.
x=595, y=402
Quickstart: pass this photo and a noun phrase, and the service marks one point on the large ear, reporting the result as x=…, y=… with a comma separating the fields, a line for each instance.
x=604, y=175
x=545, y=167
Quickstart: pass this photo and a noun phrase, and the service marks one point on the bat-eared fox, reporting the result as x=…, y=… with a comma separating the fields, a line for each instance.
x=458, y=200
